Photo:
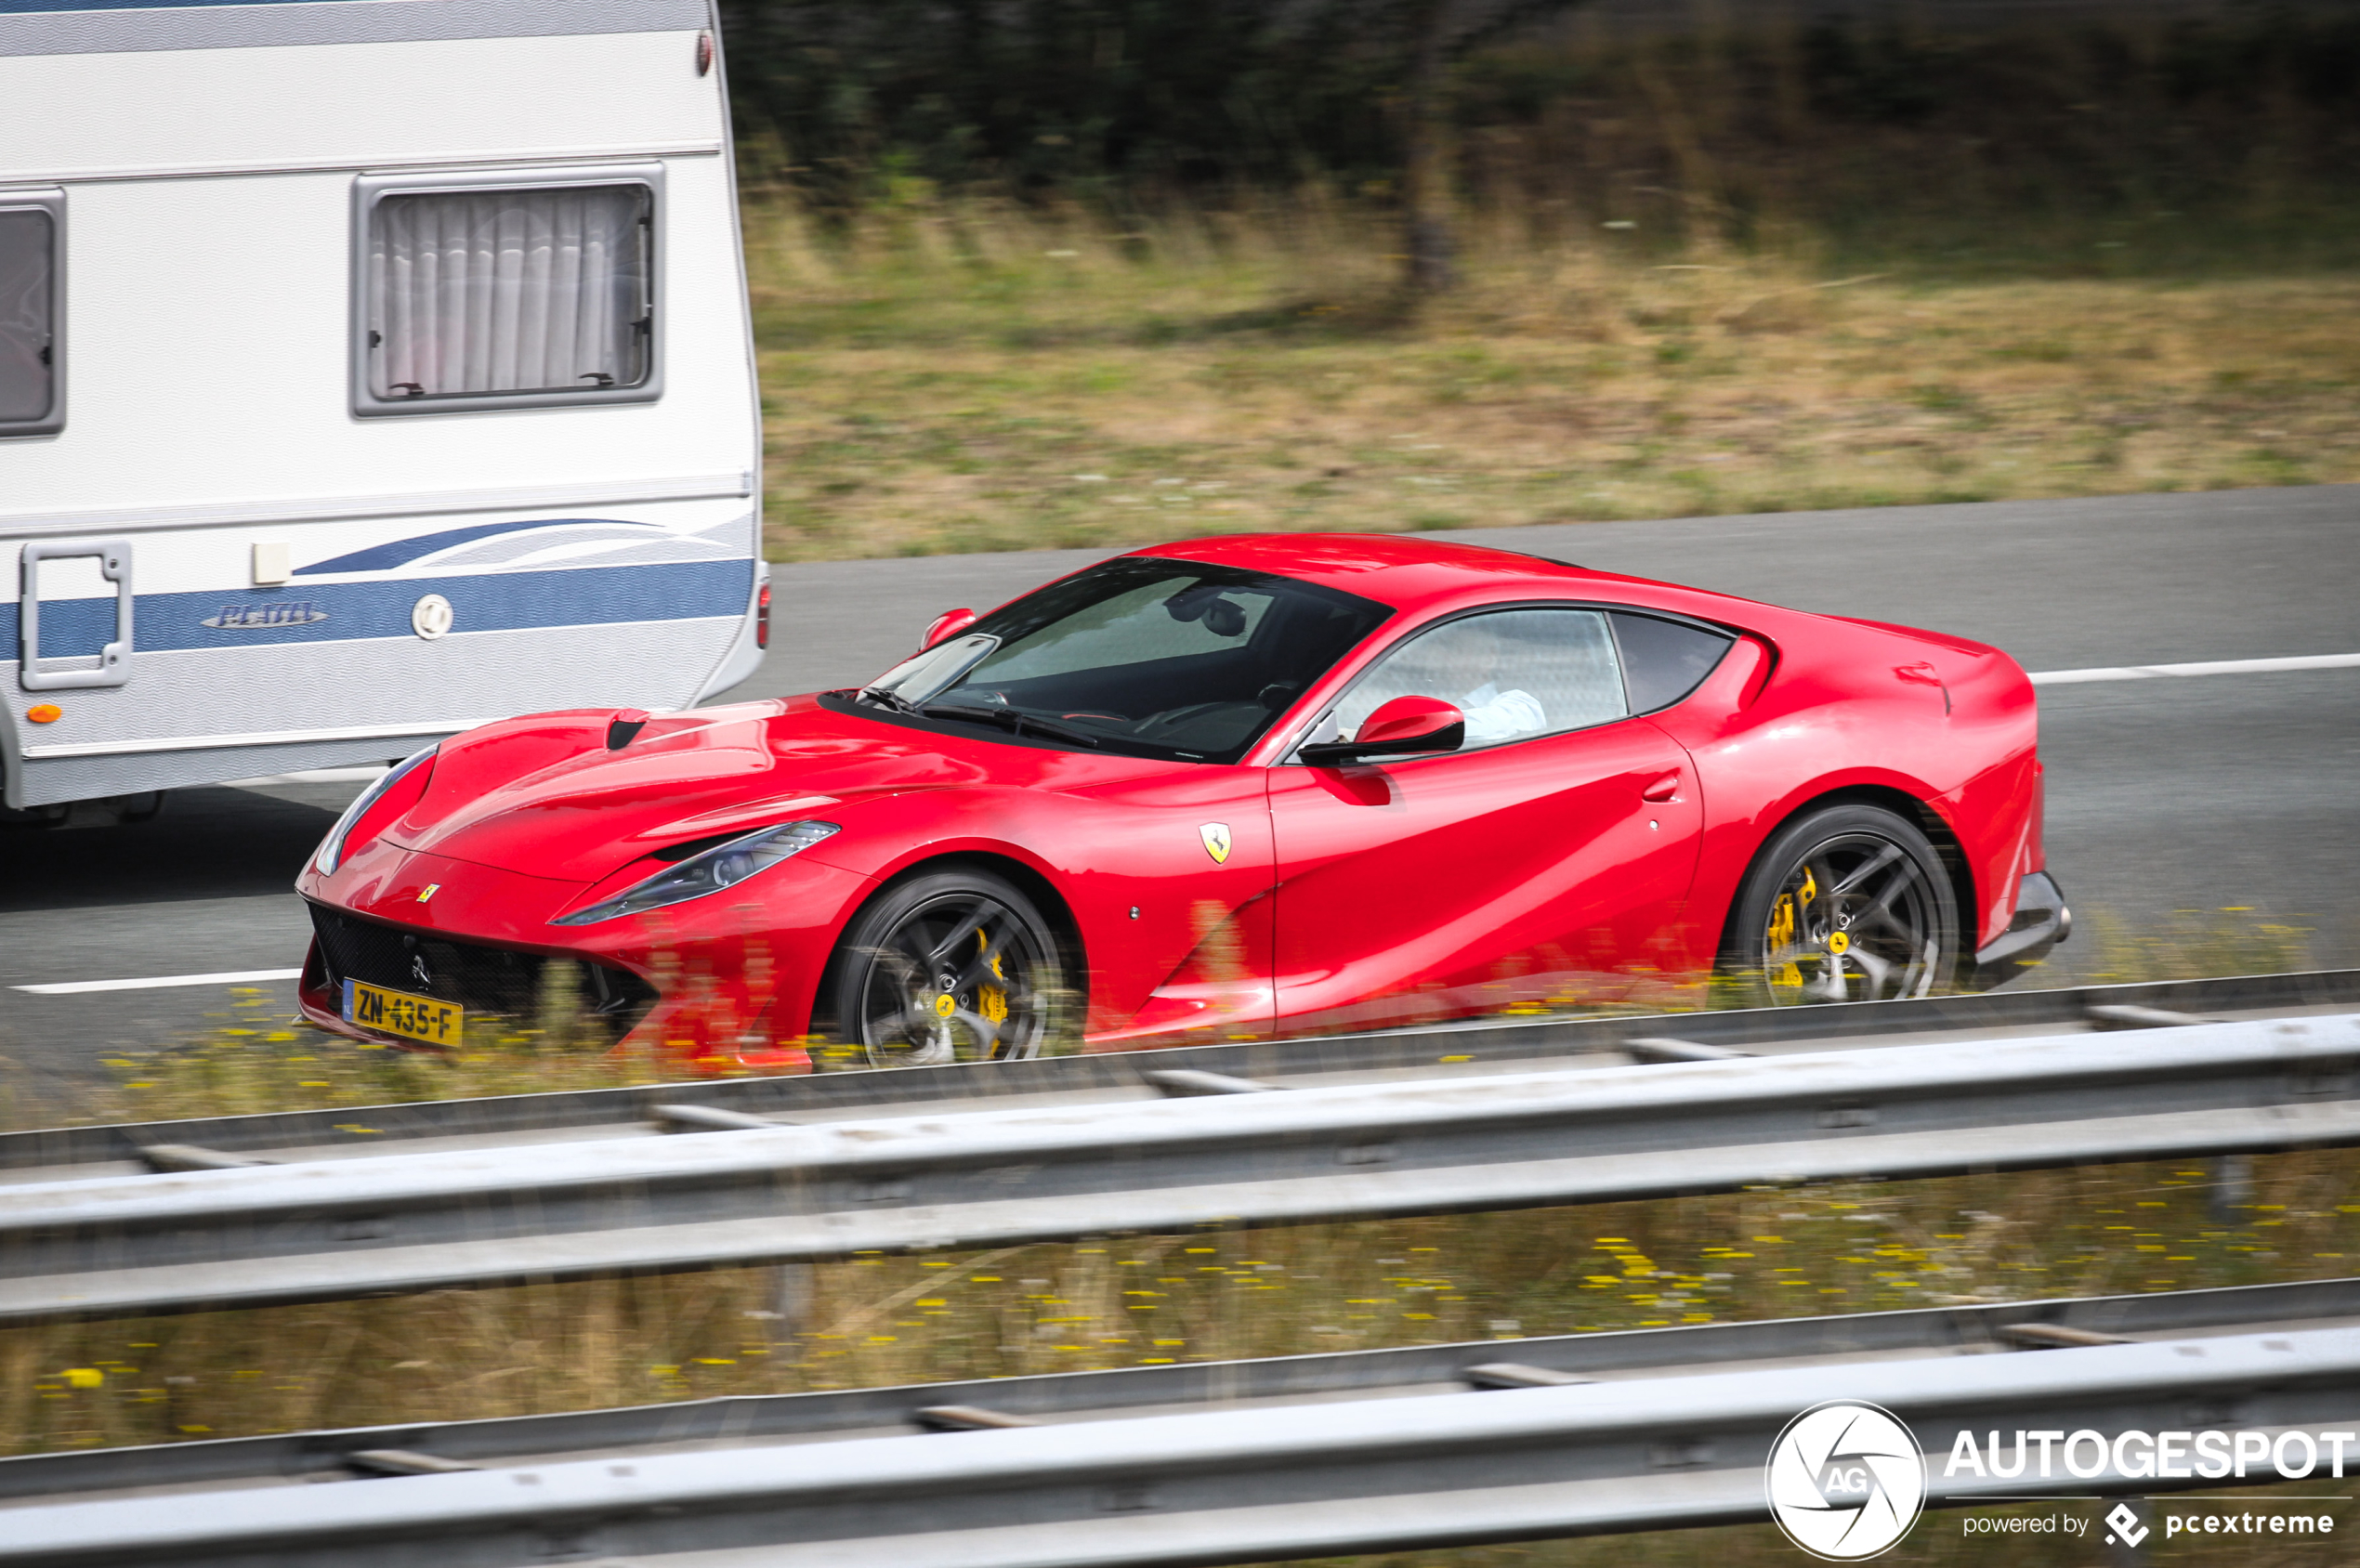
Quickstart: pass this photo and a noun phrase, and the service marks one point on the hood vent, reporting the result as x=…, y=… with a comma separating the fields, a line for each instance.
x=624, y=728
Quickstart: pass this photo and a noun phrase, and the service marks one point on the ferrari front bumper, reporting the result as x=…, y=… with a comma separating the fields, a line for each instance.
x=2041, y=921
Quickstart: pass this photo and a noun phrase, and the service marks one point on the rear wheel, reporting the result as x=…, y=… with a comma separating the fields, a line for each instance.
x=950, y=966
x=1848, y=903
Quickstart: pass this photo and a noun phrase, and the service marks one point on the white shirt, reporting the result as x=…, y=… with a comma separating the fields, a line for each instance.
x=1493, y=714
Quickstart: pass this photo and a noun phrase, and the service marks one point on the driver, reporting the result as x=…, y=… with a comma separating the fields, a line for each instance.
x=1492, y=714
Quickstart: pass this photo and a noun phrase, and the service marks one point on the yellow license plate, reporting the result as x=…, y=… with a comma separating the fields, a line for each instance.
x=398, y=1012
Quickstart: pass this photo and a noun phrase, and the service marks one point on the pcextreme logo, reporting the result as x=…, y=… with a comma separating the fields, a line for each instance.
x=1845, y=1480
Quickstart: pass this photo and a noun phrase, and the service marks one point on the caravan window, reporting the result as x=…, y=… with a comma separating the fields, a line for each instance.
x=484, y=294
x=32, y=372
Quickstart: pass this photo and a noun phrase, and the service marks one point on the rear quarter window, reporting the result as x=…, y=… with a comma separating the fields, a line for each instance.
x=1664, y=660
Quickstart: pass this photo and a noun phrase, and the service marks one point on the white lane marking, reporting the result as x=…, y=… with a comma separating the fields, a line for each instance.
x=2218, y=667
x=231, y=977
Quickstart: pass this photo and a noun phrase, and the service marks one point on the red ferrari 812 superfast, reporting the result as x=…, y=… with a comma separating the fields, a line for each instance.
x=1222, y=789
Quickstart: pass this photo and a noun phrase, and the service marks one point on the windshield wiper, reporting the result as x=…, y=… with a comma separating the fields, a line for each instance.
x=1011, y=720
x=893, y=700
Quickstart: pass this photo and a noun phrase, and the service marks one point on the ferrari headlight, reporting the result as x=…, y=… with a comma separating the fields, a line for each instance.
x=722, y=866
x=331, y=852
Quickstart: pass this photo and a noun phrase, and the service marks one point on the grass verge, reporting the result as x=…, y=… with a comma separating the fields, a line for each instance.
x=948, y=376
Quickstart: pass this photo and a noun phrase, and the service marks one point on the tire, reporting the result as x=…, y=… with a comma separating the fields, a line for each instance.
x=956, y=965
x=1848, y=903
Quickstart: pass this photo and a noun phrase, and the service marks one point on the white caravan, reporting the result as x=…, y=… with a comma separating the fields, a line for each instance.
x=369, y=369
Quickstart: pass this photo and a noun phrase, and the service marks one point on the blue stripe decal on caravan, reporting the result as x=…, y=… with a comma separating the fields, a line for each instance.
x=401, y=552
x=512, y=601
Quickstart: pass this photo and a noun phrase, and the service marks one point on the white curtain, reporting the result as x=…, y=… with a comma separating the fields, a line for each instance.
x=509, y=290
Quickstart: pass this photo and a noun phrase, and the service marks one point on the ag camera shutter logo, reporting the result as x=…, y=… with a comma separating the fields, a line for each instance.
x=1845, y=1480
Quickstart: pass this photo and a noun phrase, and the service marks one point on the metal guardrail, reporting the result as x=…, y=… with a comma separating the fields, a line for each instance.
x=1238, y=1462
x=1472, y=1046
x=338, y=1228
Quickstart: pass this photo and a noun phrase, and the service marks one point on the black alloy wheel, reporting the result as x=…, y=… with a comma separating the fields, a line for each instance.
x=1848, y=903
x=948, y=966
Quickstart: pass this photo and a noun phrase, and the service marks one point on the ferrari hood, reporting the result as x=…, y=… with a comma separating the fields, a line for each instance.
x=546, y=796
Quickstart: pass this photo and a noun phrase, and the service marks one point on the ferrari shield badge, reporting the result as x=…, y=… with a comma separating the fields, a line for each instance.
x=1216, y=841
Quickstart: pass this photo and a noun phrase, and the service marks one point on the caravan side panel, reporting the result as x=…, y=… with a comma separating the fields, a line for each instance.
x=314, y=584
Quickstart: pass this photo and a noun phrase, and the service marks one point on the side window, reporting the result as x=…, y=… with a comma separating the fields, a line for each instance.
x=31, y=352
x=505, y=293
x=1664, y=660
x=1514, y=673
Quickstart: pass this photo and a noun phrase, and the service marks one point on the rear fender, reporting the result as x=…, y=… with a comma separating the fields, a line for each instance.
x=1943, y=726
x=1997, y=811
x=1736, y=855
x=1854, y=718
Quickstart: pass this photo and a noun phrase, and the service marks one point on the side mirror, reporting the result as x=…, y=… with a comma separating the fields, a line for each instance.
x=950, y=623
x=1403, y=725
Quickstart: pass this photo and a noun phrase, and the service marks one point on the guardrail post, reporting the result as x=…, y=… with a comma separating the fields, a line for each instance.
x=2231, y=1185
x=792, y=1291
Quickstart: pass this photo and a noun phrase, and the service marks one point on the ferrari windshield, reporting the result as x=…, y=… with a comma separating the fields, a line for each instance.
x=1170, y=658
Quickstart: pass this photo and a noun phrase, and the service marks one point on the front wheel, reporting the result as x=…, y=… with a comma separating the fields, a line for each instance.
x=1848, y=903
x=950, y=966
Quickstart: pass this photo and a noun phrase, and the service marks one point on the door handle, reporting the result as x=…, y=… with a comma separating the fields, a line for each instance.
x=1664, y=788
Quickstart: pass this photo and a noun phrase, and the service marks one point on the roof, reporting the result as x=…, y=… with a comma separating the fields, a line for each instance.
x=1393, y=568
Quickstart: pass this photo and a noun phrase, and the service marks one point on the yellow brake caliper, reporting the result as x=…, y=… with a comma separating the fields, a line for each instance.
x=991, y=1000
x=1781, y=932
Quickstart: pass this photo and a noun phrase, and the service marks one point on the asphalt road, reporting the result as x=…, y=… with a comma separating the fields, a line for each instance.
x=2214, y=814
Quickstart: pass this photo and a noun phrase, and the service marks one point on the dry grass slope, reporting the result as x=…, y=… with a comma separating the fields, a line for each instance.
x=954, y=376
